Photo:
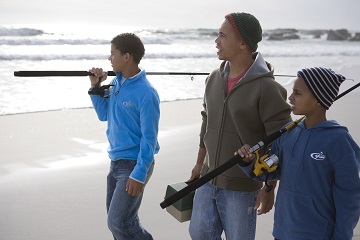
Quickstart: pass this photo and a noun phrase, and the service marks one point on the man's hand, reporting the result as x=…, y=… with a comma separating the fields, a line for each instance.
x=195, y=173
x=134, y=188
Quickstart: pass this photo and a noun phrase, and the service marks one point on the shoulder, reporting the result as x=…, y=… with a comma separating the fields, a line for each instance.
x=215, y=74
x=336, y=137
x=146, y=89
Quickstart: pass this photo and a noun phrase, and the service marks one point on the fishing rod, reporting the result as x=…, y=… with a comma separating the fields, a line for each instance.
x=109, y=73
x=222, y=168
x=86, y=73
x=236, y=159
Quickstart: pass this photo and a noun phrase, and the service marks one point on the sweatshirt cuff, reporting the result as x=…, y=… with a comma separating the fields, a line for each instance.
x=136, y=180
x=242, y=163
x=138, y=176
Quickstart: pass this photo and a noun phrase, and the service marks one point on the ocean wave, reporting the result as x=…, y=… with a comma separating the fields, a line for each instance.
x=25, y=41
x=71, y=41
x=95, y=57
x=72, y=57
x=34, y=36
x=20, y=32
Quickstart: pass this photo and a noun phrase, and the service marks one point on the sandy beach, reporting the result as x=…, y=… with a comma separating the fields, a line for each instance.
x=53, y=169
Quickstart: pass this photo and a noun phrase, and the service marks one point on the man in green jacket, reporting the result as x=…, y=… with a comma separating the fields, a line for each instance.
x=242, y=104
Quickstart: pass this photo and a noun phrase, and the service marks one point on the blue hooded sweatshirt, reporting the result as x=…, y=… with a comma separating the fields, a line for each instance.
x=132, y=113
x=319, y=190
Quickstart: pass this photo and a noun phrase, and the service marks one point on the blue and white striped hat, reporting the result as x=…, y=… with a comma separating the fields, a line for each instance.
x=324, y=83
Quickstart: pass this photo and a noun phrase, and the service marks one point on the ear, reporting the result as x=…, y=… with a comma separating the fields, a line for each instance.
x=127, y=56
x=242, y=44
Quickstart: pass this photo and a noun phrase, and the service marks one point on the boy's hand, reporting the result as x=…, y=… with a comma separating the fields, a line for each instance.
x=98, y=72
x=244, y=152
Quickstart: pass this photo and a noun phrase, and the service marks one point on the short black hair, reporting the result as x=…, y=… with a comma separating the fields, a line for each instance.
x=129, y=43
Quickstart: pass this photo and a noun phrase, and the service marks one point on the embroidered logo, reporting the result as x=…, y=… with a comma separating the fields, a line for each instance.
x=317, y=156
x=128, y=104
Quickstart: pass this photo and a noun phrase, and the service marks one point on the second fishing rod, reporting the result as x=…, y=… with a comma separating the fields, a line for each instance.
x=263, y=164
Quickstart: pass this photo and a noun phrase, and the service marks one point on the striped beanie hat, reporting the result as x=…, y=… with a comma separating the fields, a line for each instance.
x=247, y=27
x=324, y=83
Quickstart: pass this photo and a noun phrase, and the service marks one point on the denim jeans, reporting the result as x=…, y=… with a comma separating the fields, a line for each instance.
x=123, y=220
x=217, y=210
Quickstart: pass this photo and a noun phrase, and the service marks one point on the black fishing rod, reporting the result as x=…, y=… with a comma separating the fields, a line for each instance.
x=222, y=168
x=86, y=73
x=109, y=73
x=347, y=91
x=234, y=160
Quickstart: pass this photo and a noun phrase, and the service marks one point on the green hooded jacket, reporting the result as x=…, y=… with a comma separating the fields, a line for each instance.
x=254, y=108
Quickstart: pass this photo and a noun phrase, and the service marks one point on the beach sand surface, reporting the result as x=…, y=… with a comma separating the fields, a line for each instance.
x=53, y=169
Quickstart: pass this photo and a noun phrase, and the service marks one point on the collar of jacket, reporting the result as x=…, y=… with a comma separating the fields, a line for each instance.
x=259, y=67
x=133, y=78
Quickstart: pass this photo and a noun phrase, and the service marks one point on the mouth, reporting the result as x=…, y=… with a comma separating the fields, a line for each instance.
x=292, y=106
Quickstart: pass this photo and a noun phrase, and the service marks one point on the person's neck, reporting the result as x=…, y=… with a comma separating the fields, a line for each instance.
x=312, y=120
x=240, y=64
x=130, y=71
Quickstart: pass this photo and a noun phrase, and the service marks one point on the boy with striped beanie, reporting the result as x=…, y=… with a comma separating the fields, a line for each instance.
x=324, y=83
x=319, y=163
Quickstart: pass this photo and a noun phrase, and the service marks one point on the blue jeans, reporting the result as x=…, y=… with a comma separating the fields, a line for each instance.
x=123, y=220
x=216, y=210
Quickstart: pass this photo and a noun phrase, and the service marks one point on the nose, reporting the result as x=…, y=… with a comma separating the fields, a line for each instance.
x=217, y=39
x=291, y=97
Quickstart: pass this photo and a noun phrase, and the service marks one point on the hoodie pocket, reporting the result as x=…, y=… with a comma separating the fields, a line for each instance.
x=296, y=215
x=122, y=140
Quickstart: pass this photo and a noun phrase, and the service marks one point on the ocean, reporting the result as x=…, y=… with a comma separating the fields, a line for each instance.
x=79, y=48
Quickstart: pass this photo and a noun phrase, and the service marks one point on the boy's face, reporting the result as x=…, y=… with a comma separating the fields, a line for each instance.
x=117, y=59
x=302, y=101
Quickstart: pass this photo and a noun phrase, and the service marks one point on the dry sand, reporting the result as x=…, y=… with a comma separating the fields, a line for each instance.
x=54, y=166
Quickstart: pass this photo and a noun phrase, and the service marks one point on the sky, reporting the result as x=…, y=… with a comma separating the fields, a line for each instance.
x=304, y=14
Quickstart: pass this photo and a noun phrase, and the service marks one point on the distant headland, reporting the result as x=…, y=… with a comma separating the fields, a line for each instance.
x=291, y=33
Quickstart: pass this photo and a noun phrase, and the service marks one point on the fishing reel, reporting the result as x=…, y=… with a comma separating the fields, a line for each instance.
x=265, y=164
x=104, y=91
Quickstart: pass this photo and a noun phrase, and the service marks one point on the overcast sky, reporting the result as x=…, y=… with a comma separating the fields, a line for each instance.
x=304, y=14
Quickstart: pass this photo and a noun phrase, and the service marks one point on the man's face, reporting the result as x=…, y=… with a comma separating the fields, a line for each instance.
x=227, y=42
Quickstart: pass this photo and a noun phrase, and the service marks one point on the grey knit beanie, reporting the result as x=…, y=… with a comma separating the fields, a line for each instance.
x=248, y=27
x=324, y=83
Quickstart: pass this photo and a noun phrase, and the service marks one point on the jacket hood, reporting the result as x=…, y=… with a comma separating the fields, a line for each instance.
x=326, y=124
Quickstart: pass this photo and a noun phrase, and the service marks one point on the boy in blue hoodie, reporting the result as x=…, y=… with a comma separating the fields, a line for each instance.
x=319, y=191
x=132, y=113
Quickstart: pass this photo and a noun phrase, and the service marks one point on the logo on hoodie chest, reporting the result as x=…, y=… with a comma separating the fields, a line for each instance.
x=128, y=104
x=317, y=156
